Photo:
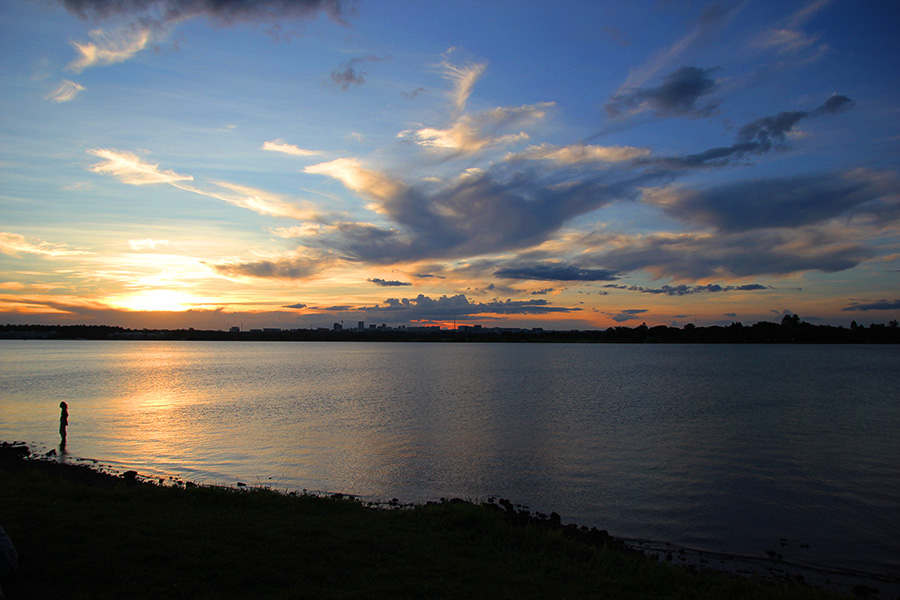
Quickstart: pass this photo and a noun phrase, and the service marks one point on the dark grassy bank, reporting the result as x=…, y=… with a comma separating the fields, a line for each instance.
x=84, y=534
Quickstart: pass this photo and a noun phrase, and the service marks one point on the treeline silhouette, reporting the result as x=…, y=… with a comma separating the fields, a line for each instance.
x=791, y=330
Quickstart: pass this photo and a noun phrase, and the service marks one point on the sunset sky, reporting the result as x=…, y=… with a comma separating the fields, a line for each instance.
x=564, y=164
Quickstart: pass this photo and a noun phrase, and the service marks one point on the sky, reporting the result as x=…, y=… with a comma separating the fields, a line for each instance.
x=565, y=164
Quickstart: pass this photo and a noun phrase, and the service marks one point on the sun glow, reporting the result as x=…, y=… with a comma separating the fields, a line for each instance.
x=159, y=300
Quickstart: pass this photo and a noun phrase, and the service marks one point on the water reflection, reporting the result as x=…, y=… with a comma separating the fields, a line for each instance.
x=719, y=447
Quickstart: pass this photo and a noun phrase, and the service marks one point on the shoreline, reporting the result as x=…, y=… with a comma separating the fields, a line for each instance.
x=772, y=570
x=789, y=331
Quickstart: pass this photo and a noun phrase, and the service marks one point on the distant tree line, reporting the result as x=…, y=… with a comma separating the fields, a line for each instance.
x=791, y=330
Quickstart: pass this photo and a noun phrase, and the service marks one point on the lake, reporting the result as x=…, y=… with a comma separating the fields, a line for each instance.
x=742, y=449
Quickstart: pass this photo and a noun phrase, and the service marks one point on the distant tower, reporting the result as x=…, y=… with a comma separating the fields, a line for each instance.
x=362, y=325
x=338, y=327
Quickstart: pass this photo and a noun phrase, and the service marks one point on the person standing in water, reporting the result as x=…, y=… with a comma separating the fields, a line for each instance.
x=63, y=422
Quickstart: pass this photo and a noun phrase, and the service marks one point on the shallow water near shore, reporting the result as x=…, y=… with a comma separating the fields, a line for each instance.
x=734, y=449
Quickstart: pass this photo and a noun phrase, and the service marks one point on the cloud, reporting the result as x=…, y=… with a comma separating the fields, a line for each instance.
x=385, y=283
x=66, y=91
x=129, y=168
x=757, y=137
x=788, y=39
x=415, y=93
x=145, y=21
x=110, y=47
x=556, y=272
x=458, y=306
x=259, y=201
x=472, y=133
x=351, y=73
x=579, y=154
x=879, y=305
x=476, y=214
x=783, y=202
x=785, y=41
x=676, y=96
x=769, y=131
x=296, y=306
x=686, y=290
x=836, y=104
x=711, y=21
x=13, y=243
x=352, y=174
x=280, y=145
x=464, y=78
x=288, y=268
x=147, y=244
x=698, y=256
x=226, y=12
x=629, y=314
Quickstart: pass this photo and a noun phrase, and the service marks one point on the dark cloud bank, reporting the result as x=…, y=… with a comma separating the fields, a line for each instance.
x=386, y=283
x=677, y=95
x=227, y=12
x=758, y=137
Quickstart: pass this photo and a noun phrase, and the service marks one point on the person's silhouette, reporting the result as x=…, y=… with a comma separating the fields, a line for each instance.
x=63, y=423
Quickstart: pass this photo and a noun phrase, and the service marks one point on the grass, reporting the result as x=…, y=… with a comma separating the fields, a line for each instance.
x=82, y=534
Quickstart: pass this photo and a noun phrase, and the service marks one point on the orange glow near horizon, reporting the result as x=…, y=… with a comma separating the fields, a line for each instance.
x=158, y=300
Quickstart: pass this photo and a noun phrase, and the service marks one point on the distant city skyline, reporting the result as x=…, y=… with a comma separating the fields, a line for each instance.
x=558, y=165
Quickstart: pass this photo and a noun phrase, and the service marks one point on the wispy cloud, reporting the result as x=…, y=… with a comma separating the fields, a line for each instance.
x=471, y=133
x=711, y=21
x=579, y=154
x=259, y=201
x=110, y=47
x=787, y=38
x=129, y=168
x=12, y=244
x=280, y=145
x=66, y=91
x=464, y=78
x=468, y=133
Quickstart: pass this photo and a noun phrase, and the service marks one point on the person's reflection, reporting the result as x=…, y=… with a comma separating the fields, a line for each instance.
x=63, y=423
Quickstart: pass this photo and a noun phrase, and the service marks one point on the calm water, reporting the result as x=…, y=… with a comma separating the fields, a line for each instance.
x=723, y=448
